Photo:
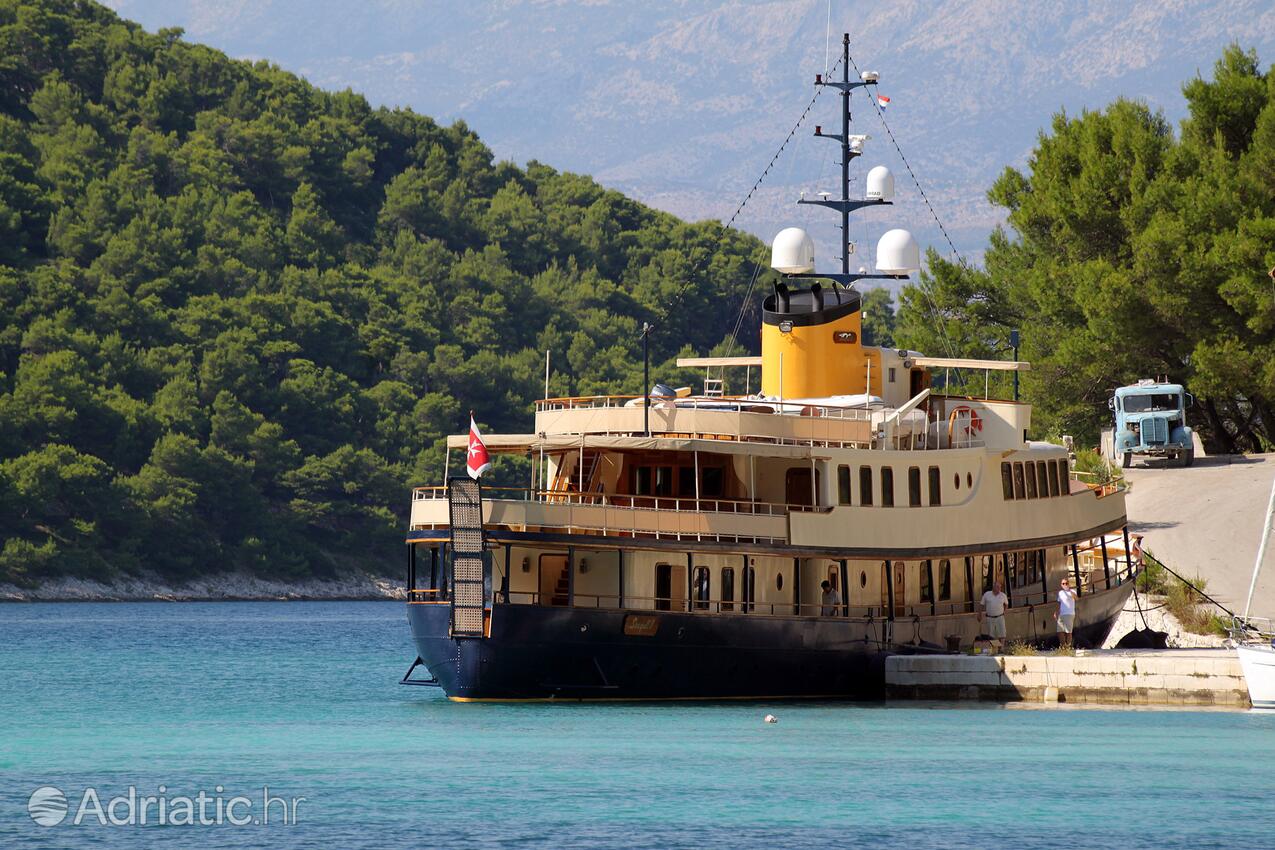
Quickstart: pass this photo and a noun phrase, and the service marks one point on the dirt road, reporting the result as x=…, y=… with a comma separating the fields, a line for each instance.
x=1207, y=520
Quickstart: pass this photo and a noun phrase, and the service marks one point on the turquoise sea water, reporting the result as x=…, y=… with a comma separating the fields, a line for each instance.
x=303, y=698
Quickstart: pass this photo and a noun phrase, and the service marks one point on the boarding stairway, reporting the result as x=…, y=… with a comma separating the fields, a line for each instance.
x=468, y=561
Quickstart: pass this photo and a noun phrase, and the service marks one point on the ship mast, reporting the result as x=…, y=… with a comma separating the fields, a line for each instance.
x=851, y=147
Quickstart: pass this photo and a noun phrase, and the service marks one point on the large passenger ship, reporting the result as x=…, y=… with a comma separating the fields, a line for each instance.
x=677, y=545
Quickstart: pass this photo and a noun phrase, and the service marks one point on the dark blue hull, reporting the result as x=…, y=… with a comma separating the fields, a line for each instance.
x=574, y=653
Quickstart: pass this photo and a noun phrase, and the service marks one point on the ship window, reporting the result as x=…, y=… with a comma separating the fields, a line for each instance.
x=701, y=588
x=863, y=579
x=927, y=588
x=663, y=586
x=728, y=588
x=1042, y=478
x=1019, y=492
x=956, y=480
x=750, y=589
x=779, y=581
x=969, y=479
x=843, y=485
x=1053, y=478
x=664, y=481
x=914, y=486
x=865, y=485
x=969, y=579
x=989, y=571
x=712, y=482
x=686, y=482
x=1011, y=568
x=1007, y=480
x=892, y=374
x=936, y=495
x=1031, y=479
x=1064, y=477
x=887, y=487
x=945, y=580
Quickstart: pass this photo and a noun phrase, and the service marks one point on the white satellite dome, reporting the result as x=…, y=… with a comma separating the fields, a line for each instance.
x=898, y=253
x=880, y=184
x=792, y=252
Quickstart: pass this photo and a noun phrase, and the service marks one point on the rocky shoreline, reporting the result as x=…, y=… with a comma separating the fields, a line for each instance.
x=222, y=588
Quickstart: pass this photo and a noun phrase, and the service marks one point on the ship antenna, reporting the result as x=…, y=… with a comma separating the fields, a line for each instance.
x=850, y=148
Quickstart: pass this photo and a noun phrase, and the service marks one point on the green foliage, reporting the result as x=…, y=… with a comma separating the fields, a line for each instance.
x=1093, y=468
x=1133, y=254
x=239, y=315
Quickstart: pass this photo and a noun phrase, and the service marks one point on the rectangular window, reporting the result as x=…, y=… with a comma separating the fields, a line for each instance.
x=887, y=487
x=712, y=483
x=843, y=485
x=989, y=571
x=686, y=482
x=728, y=588
x=664, y=481
x=1011, y=559
x=1019, y=491
x=945, y=580
x=641, y=483
x=750, y=589
x=927, y=589
x=892, y=374
x=1053, y=478
x=914, y=486
x=969, y=579
x=701, y=579
x=1030, y=471
x=1042, y=478
x=936, y=494
x=1007, y=480
x=663, y=586
x=1064, y=477
x=865, y=485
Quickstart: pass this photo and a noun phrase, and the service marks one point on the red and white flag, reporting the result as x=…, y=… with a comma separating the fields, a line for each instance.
x=883, y=101
x=477, y=461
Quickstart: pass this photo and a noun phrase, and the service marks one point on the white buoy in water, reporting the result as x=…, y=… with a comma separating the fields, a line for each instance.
x=770, y=718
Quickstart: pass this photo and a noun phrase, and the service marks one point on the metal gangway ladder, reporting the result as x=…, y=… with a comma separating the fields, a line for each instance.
x=468, y=558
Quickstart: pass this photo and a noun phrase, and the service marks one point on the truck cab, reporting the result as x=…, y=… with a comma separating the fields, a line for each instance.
x=1150, y=419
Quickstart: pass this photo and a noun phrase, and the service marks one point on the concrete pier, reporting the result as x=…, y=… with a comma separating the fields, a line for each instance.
x=1111, y=676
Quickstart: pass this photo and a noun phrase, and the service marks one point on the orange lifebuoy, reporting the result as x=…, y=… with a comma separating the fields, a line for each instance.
x=975, y=423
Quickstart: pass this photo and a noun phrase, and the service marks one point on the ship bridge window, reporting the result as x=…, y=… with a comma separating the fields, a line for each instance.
x=936, y=496
x=1053, y=478
x=1042, y=479
x=1007, y=480
x=865, y=485
x=1031, y=479
x=887, y=487
x=843, y=485
x=914, y=487
x=1019, y=491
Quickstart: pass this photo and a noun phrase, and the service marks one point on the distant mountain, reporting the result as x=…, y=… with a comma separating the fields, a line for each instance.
x=681, y=104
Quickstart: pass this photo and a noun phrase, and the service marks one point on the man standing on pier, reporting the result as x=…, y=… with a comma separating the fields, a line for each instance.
x=994, y=604
x=1066, y=615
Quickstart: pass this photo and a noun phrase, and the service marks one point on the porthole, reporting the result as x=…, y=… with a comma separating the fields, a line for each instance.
x=779, y=581
x=863, y=579
x=969, y=479
x=956, y=480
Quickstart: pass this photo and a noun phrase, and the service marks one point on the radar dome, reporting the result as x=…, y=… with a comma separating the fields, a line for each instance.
x=880, y=184
x=898, y=253
x=792, y=252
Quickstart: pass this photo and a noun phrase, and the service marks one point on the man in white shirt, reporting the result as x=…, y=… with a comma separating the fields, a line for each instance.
x=994, y=604
x=1066, y=613
x=831, y=599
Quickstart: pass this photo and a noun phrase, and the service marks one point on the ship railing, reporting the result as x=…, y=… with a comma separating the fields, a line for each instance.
x=857, y=413
x=1252, y=630
x=679, y=604
x=703, y=504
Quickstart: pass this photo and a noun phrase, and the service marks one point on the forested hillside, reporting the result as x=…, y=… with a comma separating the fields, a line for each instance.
x=239, y=314
x=1132, y=252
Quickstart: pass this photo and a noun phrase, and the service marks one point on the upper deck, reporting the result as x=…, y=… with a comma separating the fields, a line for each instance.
x=931, y=423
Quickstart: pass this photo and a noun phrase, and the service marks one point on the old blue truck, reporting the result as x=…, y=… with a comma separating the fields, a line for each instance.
x=1150, y=420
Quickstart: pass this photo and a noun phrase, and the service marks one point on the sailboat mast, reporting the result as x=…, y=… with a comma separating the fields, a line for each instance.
x=1261, y=552
x=845, y=155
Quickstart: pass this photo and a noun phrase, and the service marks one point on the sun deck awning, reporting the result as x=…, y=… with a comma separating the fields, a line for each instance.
x=962, y=363
x=522, y=443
